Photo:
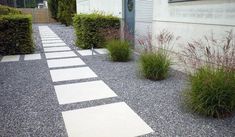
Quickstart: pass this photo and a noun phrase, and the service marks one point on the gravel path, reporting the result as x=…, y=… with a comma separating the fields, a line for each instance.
x=29, y=106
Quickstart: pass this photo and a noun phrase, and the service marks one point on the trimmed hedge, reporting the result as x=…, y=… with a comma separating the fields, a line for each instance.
x=16, y=34
x=89, y=29
x=5, y=10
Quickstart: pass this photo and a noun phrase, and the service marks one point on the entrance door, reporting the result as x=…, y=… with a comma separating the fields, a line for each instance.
x=130, y=18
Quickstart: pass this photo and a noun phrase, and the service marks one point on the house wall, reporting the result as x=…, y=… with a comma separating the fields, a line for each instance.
x=194, y=19
x=113, y=7
x=143, y=16
x=143, y=19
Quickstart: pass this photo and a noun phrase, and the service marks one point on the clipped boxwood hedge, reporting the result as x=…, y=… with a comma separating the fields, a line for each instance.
x=89, y=28
x=16, y=34
x=5, y=10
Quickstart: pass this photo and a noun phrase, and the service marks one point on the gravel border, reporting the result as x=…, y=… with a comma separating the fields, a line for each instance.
x=30, y=107
x=159, y=104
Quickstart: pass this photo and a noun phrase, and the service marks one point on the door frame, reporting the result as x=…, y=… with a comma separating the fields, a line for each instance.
x=124, y=9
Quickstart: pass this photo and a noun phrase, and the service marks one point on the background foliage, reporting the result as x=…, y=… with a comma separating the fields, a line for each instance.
x=63, y=10
x=5, y=10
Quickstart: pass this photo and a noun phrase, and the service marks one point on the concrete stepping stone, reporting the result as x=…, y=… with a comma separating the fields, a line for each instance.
x=10, y=58
x=49, y=36
x=112, y=120
x=52, y=41
x=102, y=51
x=60, y=54
x=52, y=49
x=32, y=56
x=72, y=74
x=54, y=44
x=86, y=91
x=85, y=52
x=68, y=62
x=49, y=39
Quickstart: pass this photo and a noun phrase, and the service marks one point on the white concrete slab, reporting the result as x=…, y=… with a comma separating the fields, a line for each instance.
x=54, y=44
x=48, y=39
x=52, y=41
x=10, y=58
x=102, y=51
x=72, y=74
x=85, y=52
x=44, y=34
x=68, y=62
x=52, y=49
x=32, y=56
x=60, y=54
x=112, y=120
x=86, y=91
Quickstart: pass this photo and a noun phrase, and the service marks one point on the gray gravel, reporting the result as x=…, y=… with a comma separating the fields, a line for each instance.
x=29, y=106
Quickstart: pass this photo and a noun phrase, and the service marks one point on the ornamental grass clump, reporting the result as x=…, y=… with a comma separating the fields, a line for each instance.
x=154, y=66
x=119, y=51
x=211, y=89
x=155, y=61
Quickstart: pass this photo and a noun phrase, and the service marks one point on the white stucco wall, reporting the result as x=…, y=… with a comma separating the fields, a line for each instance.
x=83, y=6
x=192, y=20
x=113, y=7
x=143, y=16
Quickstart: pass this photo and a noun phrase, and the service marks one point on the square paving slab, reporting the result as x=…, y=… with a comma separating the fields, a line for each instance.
x=52, y=41
x=32, y=56
x=112, y=120
x=49, y=39
x=102, y=51
x=68, y=62
x=54, y=44
x=86, y=91
x=46, y=37
x=85, y=52
x=10, y=58
x=49, y=35
x=52, y=49
x=60, y=54
x=72, y=74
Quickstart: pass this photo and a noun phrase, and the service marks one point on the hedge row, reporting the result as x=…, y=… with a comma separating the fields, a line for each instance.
x=92, y=29
x=5, y=10
x=15, y=33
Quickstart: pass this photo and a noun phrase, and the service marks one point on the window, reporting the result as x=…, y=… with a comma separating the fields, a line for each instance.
x=172, y=1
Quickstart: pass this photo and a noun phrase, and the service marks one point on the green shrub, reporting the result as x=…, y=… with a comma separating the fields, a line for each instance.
x=5, y=10
x=119, y=50
x=16, y=34
x=53, y=7
x=212, y=92
x=155, y=66
x=66, y=9
x=90, y=29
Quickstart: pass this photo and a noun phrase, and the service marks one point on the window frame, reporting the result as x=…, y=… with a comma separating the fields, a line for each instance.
x=175, y=1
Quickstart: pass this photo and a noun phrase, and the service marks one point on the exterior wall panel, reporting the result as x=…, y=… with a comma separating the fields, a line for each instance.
x=143, y=20
x=113, y=7
x=194, y=19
